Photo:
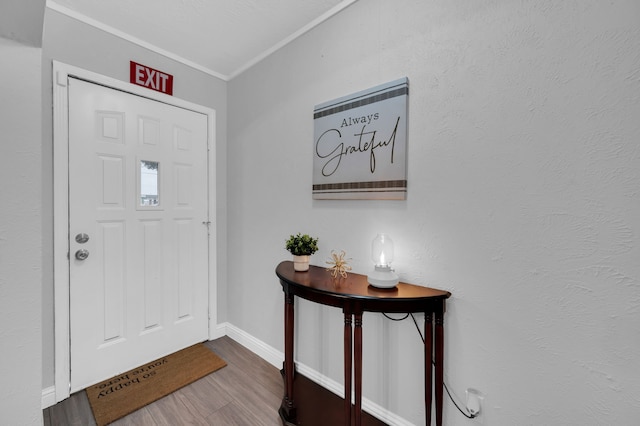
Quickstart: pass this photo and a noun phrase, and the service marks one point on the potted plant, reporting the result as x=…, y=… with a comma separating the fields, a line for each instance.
x=301, y=247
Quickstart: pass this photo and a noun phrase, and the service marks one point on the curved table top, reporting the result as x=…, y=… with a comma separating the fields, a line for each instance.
x=354, y=293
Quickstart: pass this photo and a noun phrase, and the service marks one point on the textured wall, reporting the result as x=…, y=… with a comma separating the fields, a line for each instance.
x=20, y=236
x=523, y=200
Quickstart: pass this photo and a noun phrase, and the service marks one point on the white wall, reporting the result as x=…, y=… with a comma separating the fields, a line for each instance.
x=20, y=235
x=523, y=200
x=21, y=21
x=75, y=43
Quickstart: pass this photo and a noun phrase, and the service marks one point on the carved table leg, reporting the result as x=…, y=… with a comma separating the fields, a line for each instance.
x=428, y=364
x=347, y=369
x=288, y=408
x=439, y=355
x=357, y=361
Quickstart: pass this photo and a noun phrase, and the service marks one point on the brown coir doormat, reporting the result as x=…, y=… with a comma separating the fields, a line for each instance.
x=125, y=393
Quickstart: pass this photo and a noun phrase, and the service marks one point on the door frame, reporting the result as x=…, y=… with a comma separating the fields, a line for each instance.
x=61, y=249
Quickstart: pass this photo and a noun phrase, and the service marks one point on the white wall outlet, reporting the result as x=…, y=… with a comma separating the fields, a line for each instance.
x=474, y=401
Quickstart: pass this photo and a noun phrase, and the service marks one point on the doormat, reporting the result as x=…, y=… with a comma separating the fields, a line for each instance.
x=127, y=392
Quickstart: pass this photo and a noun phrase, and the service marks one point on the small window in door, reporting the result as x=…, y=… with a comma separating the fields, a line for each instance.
x=149, y=183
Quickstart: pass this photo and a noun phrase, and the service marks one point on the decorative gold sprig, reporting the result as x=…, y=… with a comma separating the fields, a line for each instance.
x=340, y=264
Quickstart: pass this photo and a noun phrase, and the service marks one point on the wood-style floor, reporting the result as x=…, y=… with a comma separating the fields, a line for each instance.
x=248, y=391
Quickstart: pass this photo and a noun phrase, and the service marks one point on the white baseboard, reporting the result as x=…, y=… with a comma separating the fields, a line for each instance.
x=258, y=347
x=48, y=397
x=218, y=331
x=338, y=388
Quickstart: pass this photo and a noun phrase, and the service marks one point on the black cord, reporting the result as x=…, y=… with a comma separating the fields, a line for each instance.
x=469, y=416
x=396, y=319
x=417, y=328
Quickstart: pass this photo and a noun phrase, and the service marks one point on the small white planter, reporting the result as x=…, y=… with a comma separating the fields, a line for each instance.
x=301, y=263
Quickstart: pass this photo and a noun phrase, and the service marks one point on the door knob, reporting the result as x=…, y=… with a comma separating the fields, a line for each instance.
x=82, y=254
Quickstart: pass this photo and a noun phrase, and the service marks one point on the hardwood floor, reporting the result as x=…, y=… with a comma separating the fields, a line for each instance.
x=248, y=391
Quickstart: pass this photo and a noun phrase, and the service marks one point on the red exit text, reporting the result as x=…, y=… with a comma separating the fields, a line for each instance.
x=148, y=77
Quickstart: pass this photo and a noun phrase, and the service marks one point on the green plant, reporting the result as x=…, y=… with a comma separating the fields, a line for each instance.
x=301, y=245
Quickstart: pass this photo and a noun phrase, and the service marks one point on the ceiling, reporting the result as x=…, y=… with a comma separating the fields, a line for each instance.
x=220, y=37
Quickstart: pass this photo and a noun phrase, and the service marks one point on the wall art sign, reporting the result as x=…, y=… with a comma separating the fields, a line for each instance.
x=360, y=144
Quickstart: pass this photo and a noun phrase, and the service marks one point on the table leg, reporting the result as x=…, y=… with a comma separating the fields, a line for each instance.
x=347, y=369
x=357, y=361
x=428, y=364
x=288, y=408
x=439, y=355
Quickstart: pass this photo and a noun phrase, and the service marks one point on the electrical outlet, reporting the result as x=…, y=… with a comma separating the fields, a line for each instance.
x=474, y=401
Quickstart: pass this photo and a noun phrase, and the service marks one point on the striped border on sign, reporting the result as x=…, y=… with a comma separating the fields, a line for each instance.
x=350, y=104
x=373, y=186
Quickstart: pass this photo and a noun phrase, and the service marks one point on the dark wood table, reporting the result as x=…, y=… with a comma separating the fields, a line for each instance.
x=355, y=296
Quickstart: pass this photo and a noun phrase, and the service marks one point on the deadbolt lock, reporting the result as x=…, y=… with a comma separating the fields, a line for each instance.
x=82, y=238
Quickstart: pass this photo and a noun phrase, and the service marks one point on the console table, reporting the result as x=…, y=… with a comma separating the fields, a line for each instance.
x=355, y=296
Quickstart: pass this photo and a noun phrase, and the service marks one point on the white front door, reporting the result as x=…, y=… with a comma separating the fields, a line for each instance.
x=137, y=230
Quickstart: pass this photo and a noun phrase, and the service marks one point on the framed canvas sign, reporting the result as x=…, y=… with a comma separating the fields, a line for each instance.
x=360, y=144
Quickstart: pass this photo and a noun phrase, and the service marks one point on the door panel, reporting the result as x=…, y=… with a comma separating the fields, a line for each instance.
x=138, y=189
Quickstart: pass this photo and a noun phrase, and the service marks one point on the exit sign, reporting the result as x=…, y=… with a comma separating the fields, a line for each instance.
x=150, y=78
